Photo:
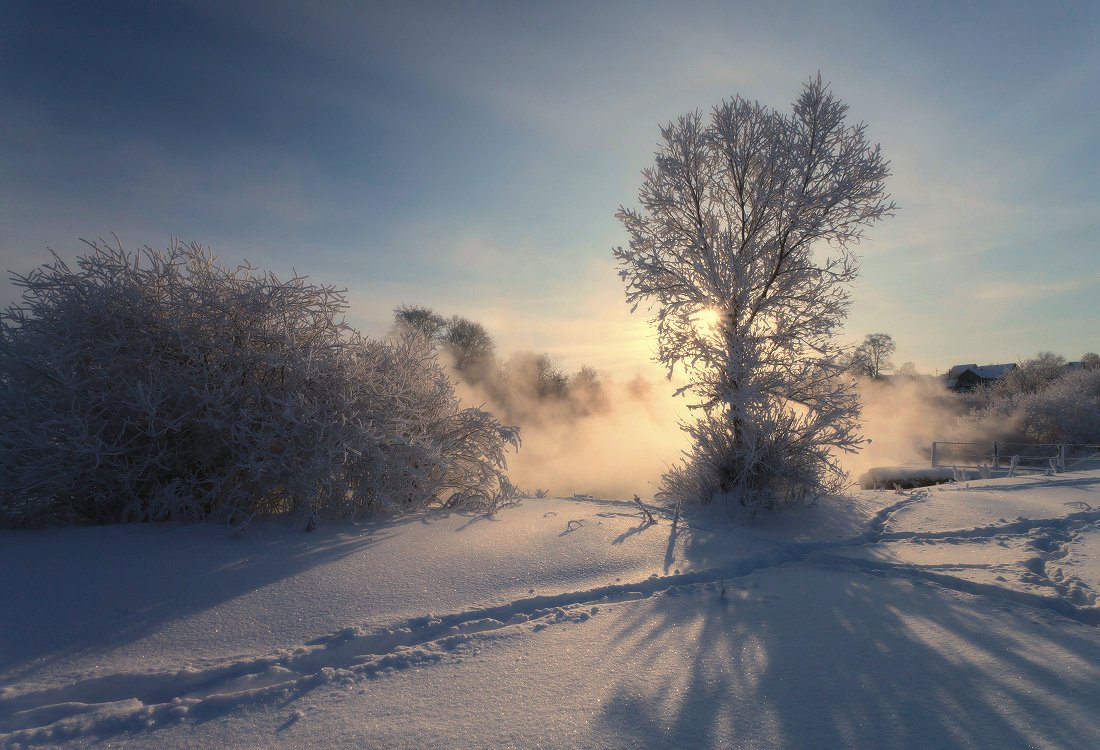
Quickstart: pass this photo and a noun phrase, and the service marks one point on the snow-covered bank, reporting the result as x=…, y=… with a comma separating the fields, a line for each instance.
x=946, y=617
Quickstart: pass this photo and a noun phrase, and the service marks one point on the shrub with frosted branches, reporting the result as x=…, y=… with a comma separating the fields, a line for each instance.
x=1068, y=411
x=1041, y=402
x=161, y=385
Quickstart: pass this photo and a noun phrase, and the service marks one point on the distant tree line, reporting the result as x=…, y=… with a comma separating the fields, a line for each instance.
x=1043, y=400
x=525, y=386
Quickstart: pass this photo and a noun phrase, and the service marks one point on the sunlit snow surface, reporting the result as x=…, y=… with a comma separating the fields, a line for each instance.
x=960, y=616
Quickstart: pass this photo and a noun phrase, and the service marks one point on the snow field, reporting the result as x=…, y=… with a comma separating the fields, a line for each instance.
x=870, y=621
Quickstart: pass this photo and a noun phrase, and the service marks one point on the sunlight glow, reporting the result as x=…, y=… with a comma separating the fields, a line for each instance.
x=707, y=318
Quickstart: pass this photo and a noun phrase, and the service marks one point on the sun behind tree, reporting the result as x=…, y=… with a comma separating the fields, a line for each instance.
x=708, y=319
x=754, y=212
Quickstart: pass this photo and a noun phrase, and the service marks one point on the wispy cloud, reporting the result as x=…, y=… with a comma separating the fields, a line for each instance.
x=1020, y=291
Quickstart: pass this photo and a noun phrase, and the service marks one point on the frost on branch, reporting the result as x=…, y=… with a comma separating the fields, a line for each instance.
x=741, y=247
x=161, y=385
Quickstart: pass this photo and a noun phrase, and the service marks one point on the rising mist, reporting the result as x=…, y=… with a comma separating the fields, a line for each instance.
x=615, y=445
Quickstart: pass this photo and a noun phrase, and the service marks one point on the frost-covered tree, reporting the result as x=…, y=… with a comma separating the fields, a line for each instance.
x=1091, y=360
x=524, y=387
x=1030, y=376
x=1067, y=410
x=907, y=370
x=421, y=320
x=472, y=347
x=163, y=385
x=586, y=389
x=872, y=356
x=742, y=245
x=550, y=380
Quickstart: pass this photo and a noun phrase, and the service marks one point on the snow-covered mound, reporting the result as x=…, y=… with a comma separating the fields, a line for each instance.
x=955, y=616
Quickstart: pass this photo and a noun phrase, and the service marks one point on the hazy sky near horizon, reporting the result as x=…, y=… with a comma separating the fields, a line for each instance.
x=471, y=156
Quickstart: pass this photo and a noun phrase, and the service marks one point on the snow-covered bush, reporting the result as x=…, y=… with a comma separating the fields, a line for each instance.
x=772, y=463
x=1066, y=412
x=1031, y=376
x=1059, y=408
x=162, y=385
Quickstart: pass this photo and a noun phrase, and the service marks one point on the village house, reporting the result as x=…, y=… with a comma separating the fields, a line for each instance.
x=965, y=378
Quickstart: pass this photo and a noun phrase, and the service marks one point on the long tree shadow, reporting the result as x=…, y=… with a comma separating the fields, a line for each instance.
x=707, y=536
x=670, y=548
x=803, y=657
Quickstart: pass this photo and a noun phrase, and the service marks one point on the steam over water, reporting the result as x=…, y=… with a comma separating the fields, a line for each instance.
x=625, y=440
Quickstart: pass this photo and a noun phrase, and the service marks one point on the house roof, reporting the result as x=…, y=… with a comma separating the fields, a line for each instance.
x=957, y=370
x=983, y=372
x=992, y=372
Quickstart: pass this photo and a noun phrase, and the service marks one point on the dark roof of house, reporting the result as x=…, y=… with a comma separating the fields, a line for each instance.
x=981, y=372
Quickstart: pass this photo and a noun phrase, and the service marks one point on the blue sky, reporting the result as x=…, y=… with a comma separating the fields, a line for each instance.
x=471, y=156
